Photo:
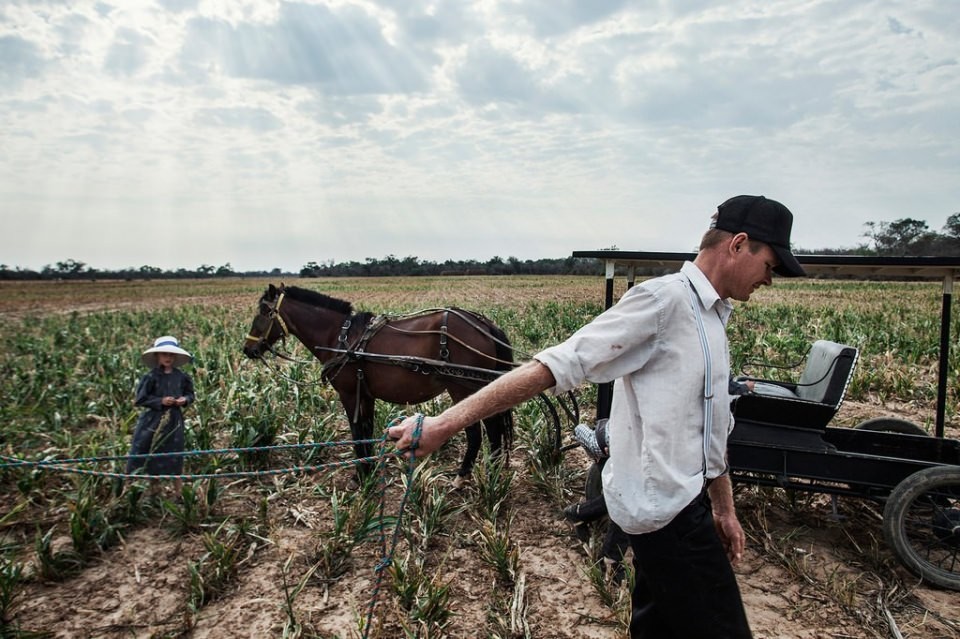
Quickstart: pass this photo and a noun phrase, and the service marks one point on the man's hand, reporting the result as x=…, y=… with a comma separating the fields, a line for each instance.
x=731, y=535
x=403, y=434
x=725, y=518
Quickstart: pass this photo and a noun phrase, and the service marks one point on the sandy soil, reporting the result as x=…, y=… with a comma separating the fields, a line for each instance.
x=809, y=573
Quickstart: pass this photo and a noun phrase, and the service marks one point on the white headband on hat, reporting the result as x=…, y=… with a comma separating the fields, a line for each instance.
x=166, y=344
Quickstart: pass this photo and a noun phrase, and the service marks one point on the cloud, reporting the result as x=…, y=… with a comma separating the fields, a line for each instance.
x=20, y=60
x=450, y=129
x=488, y=75
x=342, y=52
x=258, y=120
x=127, y=54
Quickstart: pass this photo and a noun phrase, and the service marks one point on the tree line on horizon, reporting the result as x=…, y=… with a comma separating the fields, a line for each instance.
x=900, y=238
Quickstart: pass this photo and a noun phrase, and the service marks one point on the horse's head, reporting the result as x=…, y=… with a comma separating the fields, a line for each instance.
x=268, y=326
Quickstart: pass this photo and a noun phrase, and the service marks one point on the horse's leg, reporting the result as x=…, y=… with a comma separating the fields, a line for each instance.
x=499, y=430
x=474, y=442
x=360, y=413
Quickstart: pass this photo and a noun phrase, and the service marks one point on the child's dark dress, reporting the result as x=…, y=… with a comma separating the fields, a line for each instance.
x=160, y=428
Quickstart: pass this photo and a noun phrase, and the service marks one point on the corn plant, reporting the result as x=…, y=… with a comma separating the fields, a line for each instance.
x=406, y=579
x=355, y=520
x=507, y=611
x=498, y=550
x=194, y=507
x=431, y=506
x=91, y=529
x=493, y=481
x=11, y=574
x=543, y=458
x=55, y=565
x=212, y=574
x=429, y=610
x=291, y=627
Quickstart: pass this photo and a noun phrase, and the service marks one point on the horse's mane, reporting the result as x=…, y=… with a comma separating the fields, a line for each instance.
x=314, y=298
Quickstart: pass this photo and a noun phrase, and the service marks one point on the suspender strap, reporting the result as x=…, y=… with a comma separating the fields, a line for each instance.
x=707, y=379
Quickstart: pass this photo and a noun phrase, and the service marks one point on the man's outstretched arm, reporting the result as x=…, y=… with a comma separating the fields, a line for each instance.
x=505, y=392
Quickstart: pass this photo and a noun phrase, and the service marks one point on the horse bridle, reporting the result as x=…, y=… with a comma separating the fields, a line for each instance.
x=275, y=318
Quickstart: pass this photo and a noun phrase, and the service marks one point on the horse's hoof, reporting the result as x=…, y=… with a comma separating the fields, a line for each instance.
x=459, y=482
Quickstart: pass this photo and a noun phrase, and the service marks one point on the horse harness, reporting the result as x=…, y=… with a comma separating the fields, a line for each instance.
x=347, y=353
x=356, y=352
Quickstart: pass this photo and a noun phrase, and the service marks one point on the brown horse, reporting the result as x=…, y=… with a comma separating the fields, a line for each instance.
x=403, y=360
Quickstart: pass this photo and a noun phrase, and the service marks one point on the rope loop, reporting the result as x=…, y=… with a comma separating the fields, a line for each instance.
x=387, y=559
x=417, y=431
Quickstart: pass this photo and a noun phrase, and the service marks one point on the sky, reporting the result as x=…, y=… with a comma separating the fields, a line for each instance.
x=262, y=134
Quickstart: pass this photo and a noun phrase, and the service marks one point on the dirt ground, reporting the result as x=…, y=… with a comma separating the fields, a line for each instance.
x=810, y=572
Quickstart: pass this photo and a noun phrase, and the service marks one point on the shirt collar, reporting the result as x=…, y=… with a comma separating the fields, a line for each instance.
x=705, y=292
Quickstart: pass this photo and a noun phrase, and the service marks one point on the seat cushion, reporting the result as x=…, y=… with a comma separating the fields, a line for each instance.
x=773, y=390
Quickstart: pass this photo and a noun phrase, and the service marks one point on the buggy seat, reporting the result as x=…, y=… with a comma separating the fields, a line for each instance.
x=809, y=403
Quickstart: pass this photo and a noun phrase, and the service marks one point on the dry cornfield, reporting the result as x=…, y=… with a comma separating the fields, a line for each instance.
x=297, y=554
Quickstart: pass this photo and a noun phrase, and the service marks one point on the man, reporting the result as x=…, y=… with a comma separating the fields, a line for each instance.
x=666, y=482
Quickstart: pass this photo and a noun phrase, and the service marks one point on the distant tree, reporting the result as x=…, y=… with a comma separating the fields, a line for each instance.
x=952, y=227
x=71, y=267
x=949, y=243
x=905, y=236
x=225, y=271
x=149, y=272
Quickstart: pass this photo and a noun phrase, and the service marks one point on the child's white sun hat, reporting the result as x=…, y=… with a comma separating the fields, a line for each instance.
x=166, y=344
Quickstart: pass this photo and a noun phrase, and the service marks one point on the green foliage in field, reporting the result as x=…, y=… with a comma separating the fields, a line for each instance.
x=69, y=380
x=895, y=326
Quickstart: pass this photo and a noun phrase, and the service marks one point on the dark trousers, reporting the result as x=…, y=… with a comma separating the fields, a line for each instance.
x=685, y=587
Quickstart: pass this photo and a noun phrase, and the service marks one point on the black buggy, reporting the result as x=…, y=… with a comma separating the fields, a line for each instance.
x=783, y=438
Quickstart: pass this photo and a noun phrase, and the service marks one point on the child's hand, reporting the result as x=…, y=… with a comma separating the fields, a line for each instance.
x=168, y=401
x=181, y=401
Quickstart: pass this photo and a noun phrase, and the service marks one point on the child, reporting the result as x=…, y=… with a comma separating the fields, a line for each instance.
x=164, y=391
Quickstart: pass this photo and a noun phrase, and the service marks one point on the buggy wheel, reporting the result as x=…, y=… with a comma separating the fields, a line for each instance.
x=891, y=425
x=921, y=522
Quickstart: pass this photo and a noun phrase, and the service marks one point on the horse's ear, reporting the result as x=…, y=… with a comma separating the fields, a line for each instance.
x=283, y=287
x=271, y=290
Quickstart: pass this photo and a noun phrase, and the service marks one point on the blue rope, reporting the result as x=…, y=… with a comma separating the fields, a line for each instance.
x=16, y=461
x=386, y=559
x=224, y=475
x=62, y=465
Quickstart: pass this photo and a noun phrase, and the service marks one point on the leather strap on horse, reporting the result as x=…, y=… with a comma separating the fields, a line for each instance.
x=347, y=353
x=444, y=351
x=352, y=352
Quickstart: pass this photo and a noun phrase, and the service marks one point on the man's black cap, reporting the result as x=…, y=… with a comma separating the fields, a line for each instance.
x=765, y=221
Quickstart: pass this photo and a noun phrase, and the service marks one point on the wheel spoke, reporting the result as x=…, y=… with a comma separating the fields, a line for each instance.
x=924, y=524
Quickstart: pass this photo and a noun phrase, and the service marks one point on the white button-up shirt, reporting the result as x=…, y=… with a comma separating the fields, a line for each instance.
x=650, y=343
